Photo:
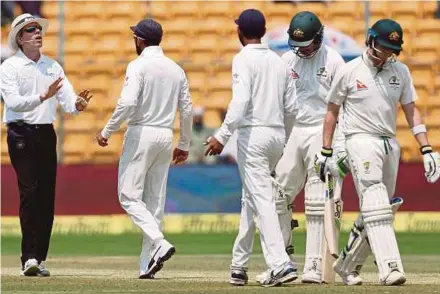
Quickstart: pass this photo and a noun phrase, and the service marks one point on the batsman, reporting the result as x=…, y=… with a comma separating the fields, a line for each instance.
x=313, y=66
x=369, y=89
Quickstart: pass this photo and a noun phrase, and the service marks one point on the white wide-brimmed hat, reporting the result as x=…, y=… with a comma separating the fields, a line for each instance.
x=20, y=22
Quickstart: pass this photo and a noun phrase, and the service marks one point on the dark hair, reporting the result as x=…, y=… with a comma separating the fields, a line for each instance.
x=152, y=42
x=253, y=35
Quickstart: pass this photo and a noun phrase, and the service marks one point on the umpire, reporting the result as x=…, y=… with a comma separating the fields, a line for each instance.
x=31, y=85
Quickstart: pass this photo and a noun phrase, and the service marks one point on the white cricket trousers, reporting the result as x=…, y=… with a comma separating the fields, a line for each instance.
x=374, y=163
x=142, y=178
x=259, y=149
x=373, y=160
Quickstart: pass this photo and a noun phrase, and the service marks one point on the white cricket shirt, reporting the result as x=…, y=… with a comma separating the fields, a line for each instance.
x=154, y=87
x=369, y=96
x=22, y=83
x=263, y=92
x=313, y=79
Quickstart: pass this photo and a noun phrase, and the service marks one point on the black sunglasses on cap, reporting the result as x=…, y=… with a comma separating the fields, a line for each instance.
x=33, y=28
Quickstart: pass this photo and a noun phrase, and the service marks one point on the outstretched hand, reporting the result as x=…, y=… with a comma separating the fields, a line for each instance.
x=53, y=89
x=83, y=100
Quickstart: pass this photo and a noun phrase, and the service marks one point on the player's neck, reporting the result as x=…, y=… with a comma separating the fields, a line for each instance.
x=252, y=41
x=32, y=54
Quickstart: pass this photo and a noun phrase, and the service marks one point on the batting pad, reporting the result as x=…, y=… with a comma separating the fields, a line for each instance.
x=356, y=252
x=378, y=219
x=314, y=210
x=314, y=197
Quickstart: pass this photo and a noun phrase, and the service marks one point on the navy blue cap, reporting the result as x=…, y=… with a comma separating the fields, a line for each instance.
x=148, y=29
x=252, y=23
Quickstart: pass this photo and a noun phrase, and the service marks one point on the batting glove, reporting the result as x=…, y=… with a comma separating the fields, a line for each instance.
x=338, y=165
x=431, y=161
x=321, y=162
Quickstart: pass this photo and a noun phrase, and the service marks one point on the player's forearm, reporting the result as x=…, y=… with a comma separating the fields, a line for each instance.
x=415, y=122
x=330, y=124
x=20, y=103
x=236, y=112
x=289, y=120
x=186, y=122
x=119, y=116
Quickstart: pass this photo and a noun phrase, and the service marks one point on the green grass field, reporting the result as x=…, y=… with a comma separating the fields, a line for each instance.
x=108, y=264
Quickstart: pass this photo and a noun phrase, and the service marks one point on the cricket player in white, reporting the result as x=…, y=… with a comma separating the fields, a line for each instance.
x=154, y=87
x=369, y=88
x=313, y=67
x=262, y=105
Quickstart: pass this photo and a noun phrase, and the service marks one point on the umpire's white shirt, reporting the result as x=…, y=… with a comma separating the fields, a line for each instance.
x=370, y=96
x=258, y=98
x=24, y=80
x=154, y=86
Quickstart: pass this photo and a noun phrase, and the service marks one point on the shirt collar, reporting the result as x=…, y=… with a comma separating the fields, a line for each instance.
x=370, y=64
x=152, y=50
x=26, y=60
x=256, y=46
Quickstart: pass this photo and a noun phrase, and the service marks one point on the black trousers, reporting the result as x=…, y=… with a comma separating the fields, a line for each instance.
x=32, y=149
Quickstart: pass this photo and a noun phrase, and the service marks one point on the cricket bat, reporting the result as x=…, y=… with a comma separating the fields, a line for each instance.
x=332, y=226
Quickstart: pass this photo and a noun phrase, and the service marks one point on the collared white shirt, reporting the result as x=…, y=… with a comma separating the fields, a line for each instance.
x=22, y=83
x=370, y=95
x=263, y=92
x=154, y=87
x=313, y=79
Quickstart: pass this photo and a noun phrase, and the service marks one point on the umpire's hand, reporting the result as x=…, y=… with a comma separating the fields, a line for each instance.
x=83, y=100
x=214, y=147
x=179, y=156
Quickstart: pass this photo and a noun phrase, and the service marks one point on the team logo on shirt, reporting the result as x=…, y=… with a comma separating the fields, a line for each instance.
x=294, y=74
x=394, y=82
x=360, y=86
x=322, y=72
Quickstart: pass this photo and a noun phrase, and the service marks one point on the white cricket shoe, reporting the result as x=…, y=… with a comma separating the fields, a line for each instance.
x=311, y=277
x=161, y=252
x=238, y=277
x=352, y=279
x=42, y=270
x=395, y=278
x=30, y=268
x=286, y=275
x=143, y=265
x=263, y=276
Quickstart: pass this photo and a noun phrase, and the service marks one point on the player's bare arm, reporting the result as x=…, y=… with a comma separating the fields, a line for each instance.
x=330, y=121
x=431, y=159
x=322, y=159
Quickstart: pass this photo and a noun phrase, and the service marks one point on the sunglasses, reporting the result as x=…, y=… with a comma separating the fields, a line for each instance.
x=33, y=29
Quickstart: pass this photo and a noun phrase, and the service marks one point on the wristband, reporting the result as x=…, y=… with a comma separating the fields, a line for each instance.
x=418, y=129
x=426, y=149
x=327, y=152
